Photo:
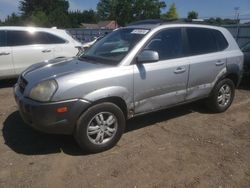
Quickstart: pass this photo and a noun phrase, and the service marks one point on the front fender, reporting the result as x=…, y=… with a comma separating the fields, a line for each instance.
x=113, y=91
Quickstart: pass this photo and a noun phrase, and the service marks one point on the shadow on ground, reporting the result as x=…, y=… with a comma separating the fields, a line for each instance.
x=245, y=84
x=8, y=83
x=25, y=140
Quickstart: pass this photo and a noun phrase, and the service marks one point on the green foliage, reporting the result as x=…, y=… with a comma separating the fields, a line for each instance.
x=13, y=20
x=86, y=16
x=45, y=13
x=39, y=18
x=127, y=11
x=28, y=7
x=49, y=13
x=219, y=21
x=104, y=9
x=192, y=15
x=171, y=14
x=58, y=18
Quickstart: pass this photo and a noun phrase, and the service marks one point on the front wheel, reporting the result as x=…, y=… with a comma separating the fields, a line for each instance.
x=100, y=127
x=222, y=96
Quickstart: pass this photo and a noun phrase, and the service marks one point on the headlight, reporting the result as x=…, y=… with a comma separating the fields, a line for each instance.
x=43, y=91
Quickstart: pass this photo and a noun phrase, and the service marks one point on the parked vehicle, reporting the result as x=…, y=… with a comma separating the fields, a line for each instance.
x=132, y=71
x=246, y=51
x=21, y=47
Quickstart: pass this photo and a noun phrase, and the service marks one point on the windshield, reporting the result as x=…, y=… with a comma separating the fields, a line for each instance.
x=115, y=46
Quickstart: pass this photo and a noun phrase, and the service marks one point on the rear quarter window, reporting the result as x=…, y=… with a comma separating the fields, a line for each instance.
x=221, y=40
x=55, y=39
x=47, y=38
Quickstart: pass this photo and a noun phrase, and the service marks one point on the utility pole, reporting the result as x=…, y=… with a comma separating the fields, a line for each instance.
x=237, y=14
x=237, y=21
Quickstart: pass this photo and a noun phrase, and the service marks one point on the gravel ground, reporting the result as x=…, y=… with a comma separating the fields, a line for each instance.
x=181, y=147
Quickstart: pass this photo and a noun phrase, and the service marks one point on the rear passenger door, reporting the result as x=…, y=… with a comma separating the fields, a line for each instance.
x=207, y=60
x=6, y=65
x=28, y=47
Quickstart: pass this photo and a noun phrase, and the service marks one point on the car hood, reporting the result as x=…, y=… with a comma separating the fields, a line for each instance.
x=57, y=68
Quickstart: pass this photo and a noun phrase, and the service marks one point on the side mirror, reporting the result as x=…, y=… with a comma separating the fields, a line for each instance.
x=148, y=56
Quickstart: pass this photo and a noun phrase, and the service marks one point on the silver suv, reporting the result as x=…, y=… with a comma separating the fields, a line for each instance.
x=132, y=71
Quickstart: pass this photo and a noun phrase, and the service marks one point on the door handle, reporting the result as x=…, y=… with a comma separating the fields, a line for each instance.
x=46, y=51
x=219, y=63
x=4, y=53
x=180, y=70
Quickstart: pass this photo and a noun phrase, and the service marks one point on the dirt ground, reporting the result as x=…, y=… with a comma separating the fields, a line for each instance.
x=181, y=147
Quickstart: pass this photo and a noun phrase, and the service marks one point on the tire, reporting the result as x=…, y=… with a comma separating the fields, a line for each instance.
x=222, y=96
x=106, y=120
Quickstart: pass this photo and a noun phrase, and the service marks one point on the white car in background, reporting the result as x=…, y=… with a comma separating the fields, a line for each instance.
x=21, y=47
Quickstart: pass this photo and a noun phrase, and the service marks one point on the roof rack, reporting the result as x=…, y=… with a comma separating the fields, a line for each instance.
x=166, y=21
x=147, y=22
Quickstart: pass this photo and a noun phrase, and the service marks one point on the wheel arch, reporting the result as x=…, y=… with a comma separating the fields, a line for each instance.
x=118, y=101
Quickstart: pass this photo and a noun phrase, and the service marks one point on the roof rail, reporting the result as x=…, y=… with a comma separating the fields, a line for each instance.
x=147, y=22
x=166, y=21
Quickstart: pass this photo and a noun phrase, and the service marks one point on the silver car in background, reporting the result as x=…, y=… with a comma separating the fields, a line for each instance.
x=131, y=71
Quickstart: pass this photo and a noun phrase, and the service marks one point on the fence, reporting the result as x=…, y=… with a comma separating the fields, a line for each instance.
x=87, y=35
x=240, y=32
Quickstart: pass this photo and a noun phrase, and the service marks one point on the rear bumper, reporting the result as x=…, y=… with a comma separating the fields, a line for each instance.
x=44, y=116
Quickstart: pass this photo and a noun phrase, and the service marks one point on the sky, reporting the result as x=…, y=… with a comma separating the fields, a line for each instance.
x=205, y=8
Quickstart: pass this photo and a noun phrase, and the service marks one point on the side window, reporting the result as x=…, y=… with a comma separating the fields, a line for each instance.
x=221, y=41
x=167, y=43
x=19, y=38
x=54, y=39
x=2, y=38
x=41, y=38
x=201, y=41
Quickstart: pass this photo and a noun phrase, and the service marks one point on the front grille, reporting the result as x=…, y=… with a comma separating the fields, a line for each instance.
x=22, y=83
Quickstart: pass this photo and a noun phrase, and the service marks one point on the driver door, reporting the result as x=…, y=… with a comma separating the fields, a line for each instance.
x=163, y=83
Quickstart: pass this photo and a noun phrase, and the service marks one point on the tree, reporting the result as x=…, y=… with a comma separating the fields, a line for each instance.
x=39, y=18
x=13, y=19
x=105, y=10
x=28, y=7
x=86, y=16
x=172, y=13
x=220, y=21
x=192, y=15
x=148, y=9
x=129, y=10
x=45, y=12
x=58, y=18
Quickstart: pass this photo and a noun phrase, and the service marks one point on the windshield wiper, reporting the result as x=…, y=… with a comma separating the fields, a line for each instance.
x=90, y=58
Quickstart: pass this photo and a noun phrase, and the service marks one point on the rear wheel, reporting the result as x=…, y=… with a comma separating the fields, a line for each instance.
x=222, y=96
x=100, y=127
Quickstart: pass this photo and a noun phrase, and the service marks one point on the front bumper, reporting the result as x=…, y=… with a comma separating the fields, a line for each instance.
x=44, y=116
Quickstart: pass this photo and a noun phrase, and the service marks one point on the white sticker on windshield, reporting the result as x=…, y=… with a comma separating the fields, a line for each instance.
x=140, y=31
